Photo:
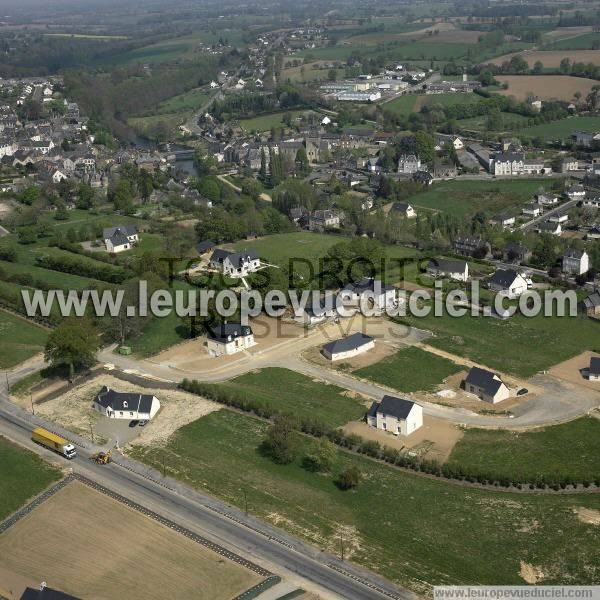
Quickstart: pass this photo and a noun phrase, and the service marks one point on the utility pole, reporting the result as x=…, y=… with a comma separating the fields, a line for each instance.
x=245, y=502
x=91, y=432
x=7, y=383
x=342, y=546
x=31, y=400
x=164, y=468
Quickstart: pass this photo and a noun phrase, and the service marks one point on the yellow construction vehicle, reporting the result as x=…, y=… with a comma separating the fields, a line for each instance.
x=102, y=458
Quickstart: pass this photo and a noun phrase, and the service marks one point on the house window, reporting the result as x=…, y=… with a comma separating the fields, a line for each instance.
x=130, y=414
x=121, y=413
x=384, y=425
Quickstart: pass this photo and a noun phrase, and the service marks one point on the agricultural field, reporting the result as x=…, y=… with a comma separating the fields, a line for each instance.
x=23, y=475
x=165, y=562
x=562, y=129
x=571, y=450
x=307, y=72
x=291, y=392
x=551, y=58
x=465, y=198
x=546, y=87
x=408, y=551
x=501, y=345
x=511, y=122
x=410, y=370
x=402, y=105
x=587, y=41
x=408, y=103
x=21, y=339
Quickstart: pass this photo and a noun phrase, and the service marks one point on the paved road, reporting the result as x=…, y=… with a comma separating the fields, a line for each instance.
x=545, y=216
x=270, y=547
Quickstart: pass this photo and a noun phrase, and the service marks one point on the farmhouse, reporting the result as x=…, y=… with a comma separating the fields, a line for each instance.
x=372, y=291
x=472, y=246
x=575, y=262
x=504, y=220
x=396, y=415
x=447, y=267
x=229, y=338
x=594, y=370
x=549, y=227
x=507, y=282
x=409, y=164
x=347, y=347
x=118, y=239
x=117, y=405
x=487, y=386
x=235, y=264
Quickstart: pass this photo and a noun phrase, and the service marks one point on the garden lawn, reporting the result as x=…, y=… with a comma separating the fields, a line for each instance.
x=571, y=449
x=410, y=370
x=413, y=530
x=21, y=339
x=23, y=475
x=299, y=395
x=521, y=345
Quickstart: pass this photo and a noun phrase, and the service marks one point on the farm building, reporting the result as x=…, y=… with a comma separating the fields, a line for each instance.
x=575, y=262
x=591, y=305
x=347, y=347
x=229, y=338
x=117, y=405
x=204, y=247
x=594, y=370
x=487, y=386
x=446, y=267
x=396, y=415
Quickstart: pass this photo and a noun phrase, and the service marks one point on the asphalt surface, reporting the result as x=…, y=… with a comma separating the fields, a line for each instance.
x=225, y=525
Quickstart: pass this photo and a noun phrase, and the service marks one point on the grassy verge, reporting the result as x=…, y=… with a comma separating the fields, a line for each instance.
x=410, y=370
x=23, y=475
x=20, y=340
x=413, y=530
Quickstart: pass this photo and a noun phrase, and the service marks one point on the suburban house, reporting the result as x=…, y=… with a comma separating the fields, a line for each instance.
x=547, y=199
x=409, y=164
x=504, y=220
x=321, y=220
x=533, y=209
x=449, y=267
x=594, y=369
x=575, y=262
x=316, y=312
x=487, y=386
x=117, y=405
x=229, y=338
x=472, y=246
x=396, y=415
x=559, y=218
x=508, y=282
x=517, y=253
x=591, y=202
x=591, y=304
x=404, y=209
x=347, y=347
x=373, y=291
x=235, y=264
x=118, y=239
x=549, y=227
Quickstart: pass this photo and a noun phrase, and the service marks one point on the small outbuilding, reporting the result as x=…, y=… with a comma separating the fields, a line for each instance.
x=347, y=347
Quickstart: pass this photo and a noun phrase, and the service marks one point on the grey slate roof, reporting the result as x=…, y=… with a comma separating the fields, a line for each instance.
x=227, y=332
x=483, y=379
x=448, y=265
x=237, y=259
x=125, y=230
x=124, y=401
x=391, y=405
x=595, y=366
x=503, y=277
x=204, y=246
x=356, y=340
x=367, y=284
x=592, y=301
x=400, y=207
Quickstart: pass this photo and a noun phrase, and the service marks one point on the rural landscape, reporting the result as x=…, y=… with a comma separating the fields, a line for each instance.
x=299, y=300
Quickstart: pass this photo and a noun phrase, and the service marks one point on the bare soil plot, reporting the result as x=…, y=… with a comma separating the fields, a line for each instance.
x=546, y=87
x=435, y=440
x=111, y=551
x=73, y=410
x=571, y=371
x=551, y=58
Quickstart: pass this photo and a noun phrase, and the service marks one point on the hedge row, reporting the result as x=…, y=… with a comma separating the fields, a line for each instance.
x=375, y=450
x=83, y=267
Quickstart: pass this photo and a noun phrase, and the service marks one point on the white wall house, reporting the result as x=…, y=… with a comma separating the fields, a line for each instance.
x=318, y=311
x=235, y=264
x=119, y=239
x=347, y=347
x=117, y=405
x=395, y=415
x=451, y=268
x=575, y=262
x=487, y=386
x=508, y=282
x=229, y=338
x=373, y=293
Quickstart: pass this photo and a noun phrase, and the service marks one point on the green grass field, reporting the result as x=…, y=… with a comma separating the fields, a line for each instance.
x=23, y=475
x=562, y=129
x=571, y=449
x=520, y=345
x=21, y=339
x=410, y=370
x=265, y=122
x=464, y=198
x=587, y=41
x=402, y=105
x=297, y=394
x=413, y=530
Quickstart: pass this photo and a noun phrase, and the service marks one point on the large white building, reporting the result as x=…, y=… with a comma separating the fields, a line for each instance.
x=235, y=264
x=229, y=338
x=118, y=405
x=395, y=415
x=449, y=267
x=575, y=262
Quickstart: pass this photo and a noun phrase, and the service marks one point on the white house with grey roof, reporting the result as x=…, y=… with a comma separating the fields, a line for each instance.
x=449, y=267
x=371, y=292
x=575, y=262
x=229, y=338
x=235, y=264
x=347, y=347
x=487, y=386
x=508, y=282
x=395, y=415
x=121, y=238
x=119, y=405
